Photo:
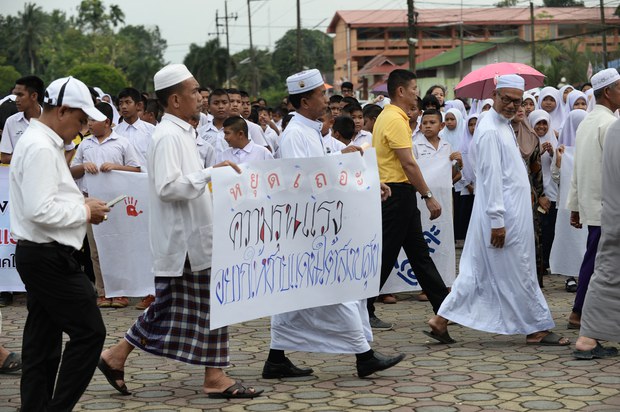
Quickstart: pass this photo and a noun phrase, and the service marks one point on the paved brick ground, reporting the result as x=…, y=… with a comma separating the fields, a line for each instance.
x=480, y=372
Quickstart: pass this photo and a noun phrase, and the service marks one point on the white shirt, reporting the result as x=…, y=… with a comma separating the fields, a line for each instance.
x=206, y=153
x=302, y=138
x=272, y=138
x=249, y=153
x=362, y=137
x=550, y=187
x=180, y=220
x=331, y=144
x=113, y=149
x=214, y=136
x=205, y=118
x=46, y=204
x=14, y=127
x=140, y=135
x=255, y=133
x=422, y=148
x=585, y=194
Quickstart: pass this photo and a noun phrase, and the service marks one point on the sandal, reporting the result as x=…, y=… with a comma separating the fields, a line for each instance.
x=112, y=375
x=550, y=339
x=12, y=363
x=570, y=285
x=236, y=391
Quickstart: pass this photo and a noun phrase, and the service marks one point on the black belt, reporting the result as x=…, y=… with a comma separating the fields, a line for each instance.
x=52, y=245
x=406, y=186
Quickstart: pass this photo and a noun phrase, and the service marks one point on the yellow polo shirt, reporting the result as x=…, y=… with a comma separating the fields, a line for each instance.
x=391, y=131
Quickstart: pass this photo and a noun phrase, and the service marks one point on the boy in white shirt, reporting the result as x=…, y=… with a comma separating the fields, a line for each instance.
x=103, y=151
x=356, y=113
x=132, y=127
x=242, y=149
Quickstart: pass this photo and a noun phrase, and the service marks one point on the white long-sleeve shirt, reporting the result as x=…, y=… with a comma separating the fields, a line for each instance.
x=181, y=216
x=585, y=194
x=140, y=135
x=46, y=204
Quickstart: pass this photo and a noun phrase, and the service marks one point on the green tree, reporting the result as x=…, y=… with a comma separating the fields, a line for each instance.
x=316, y=52
x=29, y=34
x=565, y=61
x=563, y=3
x=207, y=63
x=105, y=76
x=140, y=54
x=506, y=3
x=8, y=75
x=266, y=76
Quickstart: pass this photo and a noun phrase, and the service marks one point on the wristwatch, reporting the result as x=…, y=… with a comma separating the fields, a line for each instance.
x=427, y=195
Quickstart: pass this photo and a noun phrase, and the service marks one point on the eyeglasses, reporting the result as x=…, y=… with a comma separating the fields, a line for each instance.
x=507, y=100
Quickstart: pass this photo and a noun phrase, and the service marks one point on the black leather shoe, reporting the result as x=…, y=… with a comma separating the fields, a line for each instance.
x=378, y=363
x=286, y=369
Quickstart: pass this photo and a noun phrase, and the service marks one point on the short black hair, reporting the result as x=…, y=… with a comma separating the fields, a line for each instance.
x=432, y=112
x=217, y=92
x=204, y=89
x=372, y=111
x=430, y=100
x=263, y=109
x=584, y=85
x=130, y=92
x=106, y=109
x=243, y=93
x=352, y=107
x=34, y=85
x=236, y=123
x=295, y=99
x=164, y=94
x=345, y=126
x=261, y=99
x=7, y=109
x=349, y=100
x=233, y=91
x=435, y=86
x=281, y=111
x=286, y=119
x=152, y=106
x=399, y=78
x=335, y=98
x=346, y=85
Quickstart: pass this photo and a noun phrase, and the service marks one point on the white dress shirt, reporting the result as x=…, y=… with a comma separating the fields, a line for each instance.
x=331, y=144
x=249, y=153
x=255, y=133
x=14, y=127
x=113, y=149
x=140, y=135
x=181, y=216
x=46, y=204
x=206, y=152
x=422, y=148
x=302, y=138
x=360, y=138
x=213, y=136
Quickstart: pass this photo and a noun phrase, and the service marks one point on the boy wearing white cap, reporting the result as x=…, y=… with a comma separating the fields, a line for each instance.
x=497, y=289
x=48, y=219
x=176, y=324
x=340, y=328
x=585, y=193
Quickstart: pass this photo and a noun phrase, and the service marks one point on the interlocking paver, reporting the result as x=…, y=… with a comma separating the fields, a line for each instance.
x=481, y=372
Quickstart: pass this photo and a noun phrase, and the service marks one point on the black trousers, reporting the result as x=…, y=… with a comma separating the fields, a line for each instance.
x=60, y=299
x=402, y=227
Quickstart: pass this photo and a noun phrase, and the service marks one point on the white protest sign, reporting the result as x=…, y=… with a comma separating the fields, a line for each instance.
x=438, y=233
x=9, y=278
x=292, y=234
x=569, y=243
x=123, y=240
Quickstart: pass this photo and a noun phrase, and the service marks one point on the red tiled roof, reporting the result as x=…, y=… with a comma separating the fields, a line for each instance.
x=495, y=15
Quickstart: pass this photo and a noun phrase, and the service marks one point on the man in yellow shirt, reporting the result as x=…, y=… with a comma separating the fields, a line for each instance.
x=402, y=227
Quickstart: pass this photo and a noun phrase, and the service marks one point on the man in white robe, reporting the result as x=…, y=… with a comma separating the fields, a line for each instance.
x=339, y=328
x=497, y=290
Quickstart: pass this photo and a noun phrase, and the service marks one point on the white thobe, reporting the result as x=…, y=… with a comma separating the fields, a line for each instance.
x=340, y=328
x=497, y=289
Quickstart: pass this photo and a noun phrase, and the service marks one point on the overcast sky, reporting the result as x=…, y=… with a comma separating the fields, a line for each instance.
x=183, y=22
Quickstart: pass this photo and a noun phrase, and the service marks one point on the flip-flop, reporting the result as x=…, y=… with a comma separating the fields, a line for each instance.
x=12, y=363
x=599, y=352
x=550, y=339
x=236, y=391
x=443, y=338
x=112, y=375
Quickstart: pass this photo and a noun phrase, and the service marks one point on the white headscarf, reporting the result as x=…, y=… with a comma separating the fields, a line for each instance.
x=549, y=186
x=538, y=115
x=453, y=136
x=456, y=104
x=561, y=93
x=567, y=135
x=557, y=115
x=484, y=103
x=590, y=99
x=468, y=166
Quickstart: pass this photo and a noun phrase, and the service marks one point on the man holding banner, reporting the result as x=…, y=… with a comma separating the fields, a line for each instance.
x=402, y=226
x=339, y=328
x=176, y=324
x=48, y=219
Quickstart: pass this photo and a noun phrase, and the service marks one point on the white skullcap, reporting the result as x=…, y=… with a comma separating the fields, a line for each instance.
x=71, y=92
x=304, y=81
x=510, y=81
x=604, y=78
x=170, y=75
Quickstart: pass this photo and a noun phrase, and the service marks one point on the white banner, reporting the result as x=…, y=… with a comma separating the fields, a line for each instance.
x=569, y=244
x=291, y=234
x=9, y=278
x=123, y=240
x=439, y=233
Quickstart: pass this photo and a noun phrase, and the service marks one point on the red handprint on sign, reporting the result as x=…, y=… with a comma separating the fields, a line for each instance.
x=131, y=205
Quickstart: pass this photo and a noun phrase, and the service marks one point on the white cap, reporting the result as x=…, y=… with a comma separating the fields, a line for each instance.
x=70, y=92
x=510, y=81
x=304, y=81
x=170, y=75
x=604, y=78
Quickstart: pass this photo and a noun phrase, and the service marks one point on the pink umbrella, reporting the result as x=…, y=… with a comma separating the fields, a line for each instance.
x=480, y=83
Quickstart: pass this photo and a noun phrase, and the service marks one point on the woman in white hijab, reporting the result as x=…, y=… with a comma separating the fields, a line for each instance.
x=454, y=128
x=550, y=101
x=529, y=103
x=456, y=104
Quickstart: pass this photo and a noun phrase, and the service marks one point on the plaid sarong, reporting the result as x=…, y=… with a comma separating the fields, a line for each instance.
x=176, y=325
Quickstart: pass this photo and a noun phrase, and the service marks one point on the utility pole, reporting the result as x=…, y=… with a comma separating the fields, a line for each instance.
x=217, y=25
x=532, y=34
x=253, y=86
x=411, y=40
x=605, y=63
x=461, y=57
x=299, y=65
